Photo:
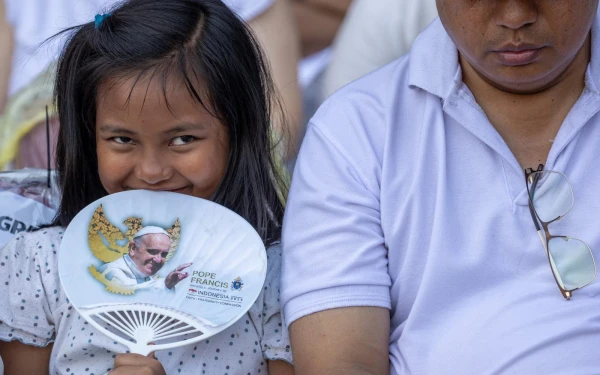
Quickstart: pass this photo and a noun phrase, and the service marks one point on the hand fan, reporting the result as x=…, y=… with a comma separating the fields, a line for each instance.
x=158, y=270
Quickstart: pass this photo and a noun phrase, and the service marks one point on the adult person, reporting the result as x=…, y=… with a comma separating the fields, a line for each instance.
x=409, y=244
x=148, y=251
x=373, y=34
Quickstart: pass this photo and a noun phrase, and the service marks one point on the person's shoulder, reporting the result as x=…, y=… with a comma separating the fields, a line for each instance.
x=49, y=235
x=38, y=244
x=365, y=103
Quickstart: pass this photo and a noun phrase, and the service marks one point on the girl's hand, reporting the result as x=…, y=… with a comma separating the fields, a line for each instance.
x=135, y=364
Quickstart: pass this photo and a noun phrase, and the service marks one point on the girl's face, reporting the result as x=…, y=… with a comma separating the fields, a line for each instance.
x=144, y=143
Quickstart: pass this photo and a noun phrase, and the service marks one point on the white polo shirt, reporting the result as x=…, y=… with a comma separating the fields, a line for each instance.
x=406, y=197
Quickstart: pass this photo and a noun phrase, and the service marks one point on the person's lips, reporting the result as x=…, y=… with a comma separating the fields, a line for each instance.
x=169, y=189
x=179, y=190
x=517, y=55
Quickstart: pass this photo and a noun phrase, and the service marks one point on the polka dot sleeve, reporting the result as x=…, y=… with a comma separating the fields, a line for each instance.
x=266, y=313
x=30, y=293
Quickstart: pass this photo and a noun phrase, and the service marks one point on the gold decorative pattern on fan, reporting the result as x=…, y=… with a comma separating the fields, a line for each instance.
x=175, y=233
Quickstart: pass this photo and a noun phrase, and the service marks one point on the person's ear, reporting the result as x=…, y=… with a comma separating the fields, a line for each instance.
x=131, y=248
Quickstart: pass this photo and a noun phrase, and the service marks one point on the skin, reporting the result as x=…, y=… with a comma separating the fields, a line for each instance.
x=142, y=144
x=19, y=358
x=6, y=46
x=276, y=32
x=526, y=103
x=344, y=341
x=318, y=22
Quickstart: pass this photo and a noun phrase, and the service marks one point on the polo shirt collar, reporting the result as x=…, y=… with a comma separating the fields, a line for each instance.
x=434, y=65
x=592, y=80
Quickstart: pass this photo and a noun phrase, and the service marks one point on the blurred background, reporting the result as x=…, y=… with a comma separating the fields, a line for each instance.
x=314, y=47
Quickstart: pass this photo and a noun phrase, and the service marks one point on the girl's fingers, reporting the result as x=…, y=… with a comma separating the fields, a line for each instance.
x=129, y=359
x=133, y=370
x=124, y=360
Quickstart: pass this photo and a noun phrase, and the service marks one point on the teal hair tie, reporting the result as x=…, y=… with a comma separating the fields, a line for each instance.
x=99, y=19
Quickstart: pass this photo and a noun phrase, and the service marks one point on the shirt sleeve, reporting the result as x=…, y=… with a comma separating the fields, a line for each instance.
x=30, y=292
x=266, y=312
x=334, y=251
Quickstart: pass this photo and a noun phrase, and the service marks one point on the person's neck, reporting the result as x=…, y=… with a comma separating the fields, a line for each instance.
x=528, y=123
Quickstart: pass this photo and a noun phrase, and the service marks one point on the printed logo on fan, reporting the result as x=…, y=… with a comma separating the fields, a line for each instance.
x=237, y=284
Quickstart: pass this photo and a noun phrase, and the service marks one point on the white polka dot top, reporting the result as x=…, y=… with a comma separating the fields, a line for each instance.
x=35, y=311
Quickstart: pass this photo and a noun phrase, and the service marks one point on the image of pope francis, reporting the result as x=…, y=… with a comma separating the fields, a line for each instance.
x=147, y=254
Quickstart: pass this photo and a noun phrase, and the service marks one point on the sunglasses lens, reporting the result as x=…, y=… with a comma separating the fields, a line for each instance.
x=572, y=262
x=551, y=194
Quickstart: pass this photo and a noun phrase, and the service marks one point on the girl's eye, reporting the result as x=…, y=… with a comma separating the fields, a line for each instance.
x=123, y=140
x=182, y=140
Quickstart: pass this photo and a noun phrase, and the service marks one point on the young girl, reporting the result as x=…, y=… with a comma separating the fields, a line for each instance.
x=166, y=95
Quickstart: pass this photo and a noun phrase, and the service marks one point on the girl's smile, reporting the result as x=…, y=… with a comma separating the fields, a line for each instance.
x=155, y=139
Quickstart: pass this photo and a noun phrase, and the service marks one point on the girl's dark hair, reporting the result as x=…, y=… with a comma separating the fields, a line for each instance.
x=193, y=39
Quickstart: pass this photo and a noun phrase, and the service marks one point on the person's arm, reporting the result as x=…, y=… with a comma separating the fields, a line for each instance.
x=276, y=33
x=335, y=283
x=318, y=22
x=334, y=6
x=6, y=47
x=280, y=368
x=19, y=358
x=344, y=341
x=129, y=363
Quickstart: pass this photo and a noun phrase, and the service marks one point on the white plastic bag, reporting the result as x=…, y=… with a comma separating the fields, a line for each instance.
x=26, y=201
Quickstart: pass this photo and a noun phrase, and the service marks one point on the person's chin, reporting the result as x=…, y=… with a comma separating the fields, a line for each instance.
x=523, y=83
x=150, y=271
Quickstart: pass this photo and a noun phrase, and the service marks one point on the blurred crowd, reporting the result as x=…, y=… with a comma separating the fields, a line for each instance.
x=314, y=47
